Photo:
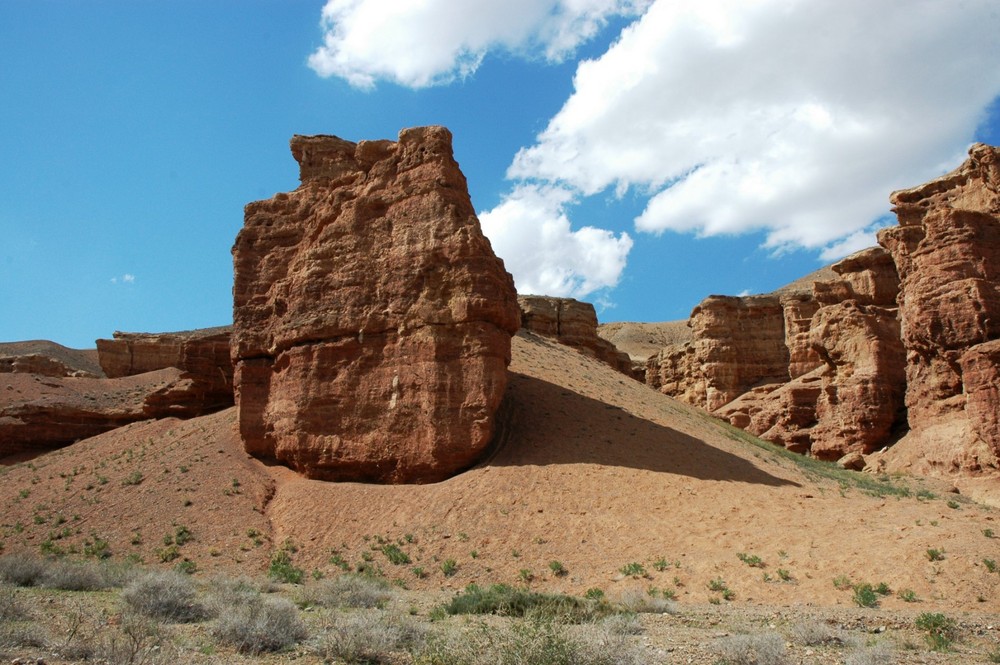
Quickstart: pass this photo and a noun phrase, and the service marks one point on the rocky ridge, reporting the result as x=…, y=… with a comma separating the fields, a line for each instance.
x=903, y=340
x=372, y=321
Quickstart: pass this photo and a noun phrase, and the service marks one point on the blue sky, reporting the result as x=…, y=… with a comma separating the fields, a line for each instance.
x=636, y=154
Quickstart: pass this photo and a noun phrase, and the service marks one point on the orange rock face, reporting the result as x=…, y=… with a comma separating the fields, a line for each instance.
x=903, y=345
x=372, y=321
x=817, y=370
x=572, y=323
x=947, y=250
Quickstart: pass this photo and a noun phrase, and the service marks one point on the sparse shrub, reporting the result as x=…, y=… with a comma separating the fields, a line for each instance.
x=137, y=641
x=633, y=569
x=164, y=595
x=907, y=595
x=880, y=654
x=639, y=601
x=865, y=596
x=764, y=649
x=534, y=642
x=183, y=535
x=368, y=637
x=784, y=575
x=717, y=584
x=395, y=555
x=259, y=624
x=934, y=554
x=282, y=569
x=449, y=567
x=661, y=564
x=526, y=575
x=941, y=630
x=186, y=567
x=506, y=600
x=70, y=576
x=558, y=569
x=991, y=565
x=842, y=583
x=348, y=591
x=751, y=560
x=953, y=504
x=11, y=607
x=594, y=594
x=22, y=570
x=133, y=478
x=813, y=633
x=169, y=553
x=625, y=623
x=418, y=572
x=882, y=589
x=988, y=533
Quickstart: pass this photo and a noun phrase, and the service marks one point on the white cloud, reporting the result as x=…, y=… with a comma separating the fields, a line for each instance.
x=430, y=42
x=530, y=231
x=127, y=278
x=791, y=117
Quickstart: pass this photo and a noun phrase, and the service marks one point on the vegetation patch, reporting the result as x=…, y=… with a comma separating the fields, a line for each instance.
x=505, y=600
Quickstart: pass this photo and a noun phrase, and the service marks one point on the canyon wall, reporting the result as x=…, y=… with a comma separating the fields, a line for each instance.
x=900, y=344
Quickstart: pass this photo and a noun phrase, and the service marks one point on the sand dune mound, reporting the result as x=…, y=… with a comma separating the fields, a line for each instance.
x=593, y=471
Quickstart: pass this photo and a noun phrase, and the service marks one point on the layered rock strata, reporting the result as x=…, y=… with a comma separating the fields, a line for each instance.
x=817, y=369
x=574, y=324
x=39, y=413
x=902, y=345
x=947, y=250
x=202, y=356
x=372, y=321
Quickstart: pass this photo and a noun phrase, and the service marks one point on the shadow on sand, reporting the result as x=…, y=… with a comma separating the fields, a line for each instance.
x=542, y=423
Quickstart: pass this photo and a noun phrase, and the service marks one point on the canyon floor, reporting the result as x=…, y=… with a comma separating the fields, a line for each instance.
x=597, y=482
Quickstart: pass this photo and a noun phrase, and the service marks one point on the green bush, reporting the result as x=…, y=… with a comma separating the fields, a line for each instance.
x=941, y=630
x=865, y=595
x=282, y=569
x=506, y=600
x=395, y=555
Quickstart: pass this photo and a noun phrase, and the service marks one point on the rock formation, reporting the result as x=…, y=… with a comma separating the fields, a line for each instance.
x=904, y=339
x=572, y=323
x=372, y=321
x=47, y=358
x=202, y=356
x=947, y=251
x=39, y=413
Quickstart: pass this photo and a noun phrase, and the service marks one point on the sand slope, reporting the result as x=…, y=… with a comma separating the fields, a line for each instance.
x=593, y=470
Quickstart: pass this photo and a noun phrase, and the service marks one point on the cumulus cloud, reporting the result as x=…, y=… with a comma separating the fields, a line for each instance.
x=419, y=44
x=531, y=232
x=127, y=278
x=791, y=117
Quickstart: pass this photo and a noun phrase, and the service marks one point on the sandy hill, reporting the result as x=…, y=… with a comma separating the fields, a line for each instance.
x=593, y=470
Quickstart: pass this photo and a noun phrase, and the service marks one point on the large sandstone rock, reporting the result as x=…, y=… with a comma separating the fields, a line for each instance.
x=203, y=357
x=947, y=251
x=372, y=321
x=572, y=323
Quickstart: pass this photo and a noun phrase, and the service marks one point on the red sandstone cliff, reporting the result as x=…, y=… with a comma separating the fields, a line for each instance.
x=903, y=340
x=372, y=321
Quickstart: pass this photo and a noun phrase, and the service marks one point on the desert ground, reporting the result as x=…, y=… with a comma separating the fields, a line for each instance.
x=596, y=482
